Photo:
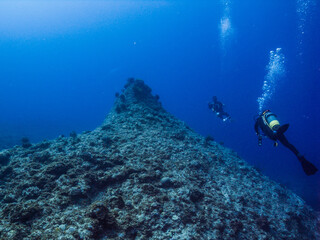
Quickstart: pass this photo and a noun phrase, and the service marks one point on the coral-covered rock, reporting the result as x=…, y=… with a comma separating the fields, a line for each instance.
x=196, y=195
x=4, y=158
x=143, y=175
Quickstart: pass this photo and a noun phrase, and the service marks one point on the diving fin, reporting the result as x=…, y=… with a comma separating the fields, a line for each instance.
x=283, y=128
x=307, y=166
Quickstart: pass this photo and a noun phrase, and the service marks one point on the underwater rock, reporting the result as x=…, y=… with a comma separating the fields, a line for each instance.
x=143, y=174
x=166, y=182
x=42, y=157
x=25, y=142
x=4, y=159
x=196, y=195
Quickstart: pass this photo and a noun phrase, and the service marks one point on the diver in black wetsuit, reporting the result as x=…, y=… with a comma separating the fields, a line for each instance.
x=270, y=126
x=217, y=107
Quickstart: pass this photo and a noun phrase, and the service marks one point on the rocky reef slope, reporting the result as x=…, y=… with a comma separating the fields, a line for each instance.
x=142, y=175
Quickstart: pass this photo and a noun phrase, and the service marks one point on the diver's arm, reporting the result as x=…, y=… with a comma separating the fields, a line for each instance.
x=256, y=127
x=210, y=105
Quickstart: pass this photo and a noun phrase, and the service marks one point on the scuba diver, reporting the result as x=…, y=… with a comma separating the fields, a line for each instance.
x=270, y=126
x=217, y=107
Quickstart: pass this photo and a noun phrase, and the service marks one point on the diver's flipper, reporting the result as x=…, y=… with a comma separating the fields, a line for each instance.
x=307, y=166
x=283, y=128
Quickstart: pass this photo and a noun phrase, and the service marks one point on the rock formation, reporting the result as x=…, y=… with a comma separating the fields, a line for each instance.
x=143, y=174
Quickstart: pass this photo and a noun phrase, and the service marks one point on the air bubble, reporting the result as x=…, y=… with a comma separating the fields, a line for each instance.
x=276, y=71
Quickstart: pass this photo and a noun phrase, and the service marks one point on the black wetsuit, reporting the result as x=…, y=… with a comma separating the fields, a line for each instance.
x=274, y=135
x=308, y=167
x=217, y=107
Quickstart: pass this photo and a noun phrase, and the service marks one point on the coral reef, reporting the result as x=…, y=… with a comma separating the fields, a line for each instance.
x=25, y=142
x=143, y=174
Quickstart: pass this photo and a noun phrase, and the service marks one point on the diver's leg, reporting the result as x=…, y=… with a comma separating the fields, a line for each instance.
x=286, y=143
x=225, y=116
x=307, y=166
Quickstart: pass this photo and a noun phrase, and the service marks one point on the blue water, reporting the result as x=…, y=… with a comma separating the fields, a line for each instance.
x=62, y=62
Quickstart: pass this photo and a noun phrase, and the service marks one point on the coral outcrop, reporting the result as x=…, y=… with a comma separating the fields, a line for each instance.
x=143, y=174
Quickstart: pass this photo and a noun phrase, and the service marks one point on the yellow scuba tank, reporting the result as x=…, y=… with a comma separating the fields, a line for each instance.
x=270, y=119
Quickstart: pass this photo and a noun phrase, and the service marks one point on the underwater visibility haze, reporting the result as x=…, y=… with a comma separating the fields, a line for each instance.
x=62, y=62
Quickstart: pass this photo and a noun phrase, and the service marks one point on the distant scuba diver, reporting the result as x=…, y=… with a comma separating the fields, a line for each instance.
x=270, y=126
x=217, y=107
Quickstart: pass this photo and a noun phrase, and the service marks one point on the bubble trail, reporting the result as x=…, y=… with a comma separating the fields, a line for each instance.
x=225, y=23
x=303, y=9
x=276, y=71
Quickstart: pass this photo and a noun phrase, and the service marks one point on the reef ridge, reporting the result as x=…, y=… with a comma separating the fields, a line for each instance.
x=143, y=174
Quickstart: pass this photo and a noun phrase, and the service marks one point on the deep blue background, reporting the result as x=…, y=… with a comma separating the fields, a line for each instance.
x=61, y=64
